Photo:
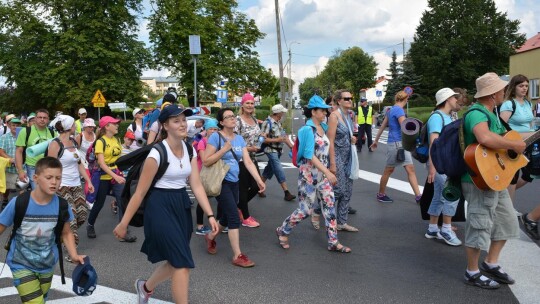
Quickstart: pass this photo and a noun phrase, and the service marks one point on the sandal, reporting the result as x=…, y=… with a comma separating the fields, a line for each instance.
x=315, y=218
x=283, y=243
x=342, y=249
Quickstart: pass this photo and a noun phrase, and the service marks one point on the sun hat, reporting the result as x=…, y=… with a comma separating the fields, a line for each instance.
x=443, y=94
x=89, y=122
x=31, y=116
x=82, y=111
x=84, y=278
x=247, y=97
x=9, y=117
x=136, y=111
x=105, y=120
x=317, y=102
x=488, y=84
x=172, y=111
x=65, y=120
x=211, y=123
x=129, y=135
x=279, y=109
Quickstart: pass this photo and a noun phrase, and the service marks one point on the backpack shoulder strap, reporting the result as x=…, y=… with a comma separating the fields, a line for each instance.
x=21, y=204
x=51, y=131
x=28, y=131
x=63, y=217
x=133, y=126
x=60, y=149
x=190, y=152
x=163, y=161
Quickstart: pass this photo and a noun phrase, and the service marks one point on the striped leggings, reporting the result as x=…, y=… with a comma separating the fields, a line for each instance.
x=32, y=286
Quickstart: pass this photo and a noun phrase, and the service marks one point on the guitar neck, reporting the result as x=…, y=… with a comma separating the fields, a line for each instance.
x=531, y=139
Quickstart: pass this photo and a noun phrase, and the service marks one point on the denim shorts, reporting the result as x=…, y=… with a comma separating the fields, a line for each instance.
x=391, y=153
x=274, y=168
x=490, y=216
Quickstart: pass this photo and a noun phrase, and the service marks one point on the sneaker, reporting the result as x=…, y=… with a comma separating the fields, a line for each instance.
x=497, y=274
x=262, y=194
x=449, y=238
x=243, y=261
x=531, y=227
x=288, y=196
x=210, y=245
x=418, y=198
x=204, y=230
x=114, y=207
x=476, y=280
x=142, y=296
x=90, y=231
x=250, y=222
x=518, y=214
x=432, y=235
x=128, y=238
x=225, y=230
x=383, y=198
x=351, y=210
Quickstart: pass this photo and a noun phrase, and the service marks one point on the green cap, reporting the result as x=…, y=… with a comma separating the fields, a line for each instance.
x=15, y=120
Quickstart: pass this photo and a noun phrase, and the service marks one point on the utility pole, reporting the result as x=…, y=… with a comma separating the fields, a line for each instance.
x=280, y=59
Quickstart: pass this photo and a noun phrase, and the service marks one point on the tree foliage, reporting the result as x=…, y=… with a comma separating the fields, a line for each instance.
x=459, y=40
x=406, y=77
x=227, y=38
x=57, y=53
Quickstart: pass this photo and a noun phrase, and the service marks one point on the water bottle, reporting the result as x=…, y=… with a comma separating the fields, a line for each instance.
x=260, y=141
x=535, y=155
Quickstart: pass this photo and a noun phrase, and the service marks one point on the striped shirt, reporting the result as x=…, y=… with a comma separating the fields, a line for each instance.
x=7, y=143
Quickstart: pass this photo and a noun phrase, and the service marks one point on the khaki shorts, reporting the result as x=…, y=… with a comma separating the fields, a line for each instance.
x=490, y=216
x=11, y=180
x=391, y=153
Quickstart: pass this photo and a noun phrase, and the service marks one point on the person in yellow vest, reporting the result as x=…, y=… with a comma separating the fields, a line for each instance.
x=365, y=120
x=78, y=123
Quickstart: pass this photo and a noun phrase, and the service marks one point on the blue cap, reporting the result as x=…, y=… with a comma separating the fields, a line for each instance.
x=317, y=102
x=159, y=102
x=84, y=278
x=210, y=123
x=172, y=111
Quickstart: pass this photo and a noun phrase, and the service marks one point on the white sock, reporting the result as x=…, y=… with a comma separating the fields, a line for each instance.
x=446, y=227
x=433, y=228
x=491, y=266
x=471, y=273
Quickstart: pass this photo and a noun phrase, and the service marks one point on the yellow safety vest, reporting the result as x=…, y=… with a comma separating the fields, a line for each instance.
x=365, y=120
x=78, y=126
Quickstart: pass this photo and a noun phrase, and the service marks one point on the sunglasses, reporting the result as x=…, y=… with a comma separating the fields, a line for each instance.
x=347, y=98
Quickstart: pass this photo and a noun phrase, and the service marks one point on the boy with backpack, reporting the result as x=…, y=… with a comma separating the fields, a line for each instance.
x=40, y=219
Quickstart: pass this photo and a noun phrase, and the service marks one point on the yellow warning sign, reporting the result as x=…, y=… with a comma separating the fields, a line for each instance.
x=99, y=105
x=98, y=98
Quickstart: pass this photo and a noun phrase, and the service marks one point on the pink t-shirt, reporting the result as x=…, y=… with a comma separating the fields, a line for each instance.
x=201, y=146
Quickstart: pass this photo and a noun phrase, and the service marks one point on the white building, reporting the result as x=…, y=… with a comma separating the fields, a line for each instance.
x=371, y=93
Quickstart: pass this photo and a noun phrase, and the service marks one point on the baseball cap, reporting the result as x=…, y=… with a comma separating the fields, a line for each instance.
x=136, y=111
x=279, y=109
x=172, y=111
x=84, y=278
x=105, y=120
x=16, y=120
x=31, y=116
x=82, y=111
x=443, y=94
x=9, y=117
x=129, y=135
x=169, y=97
x=317, y=102
x=210, y=123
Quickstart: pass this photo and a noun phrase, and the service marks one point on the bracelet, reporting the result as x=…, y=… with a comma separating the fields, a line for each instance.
x=209, y=216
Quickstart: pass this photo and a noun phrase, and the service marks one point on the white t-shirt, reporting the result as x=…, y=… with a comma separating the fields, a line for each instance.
x=191, y=129
x=70, y=168
x=176, y=176
x=138, y=136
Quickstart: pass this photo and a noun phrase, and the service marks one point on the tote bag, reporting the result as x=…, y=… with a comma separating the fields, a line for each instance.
x=212, y=177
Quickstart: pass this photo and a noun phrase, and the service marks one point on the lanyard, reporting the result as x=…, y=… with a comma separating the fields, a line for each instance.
x=346, y=120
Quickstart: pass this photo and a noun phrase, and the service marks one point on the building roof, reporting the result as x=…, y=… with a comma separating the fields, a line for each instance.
x=161, y=79
x=531, y=44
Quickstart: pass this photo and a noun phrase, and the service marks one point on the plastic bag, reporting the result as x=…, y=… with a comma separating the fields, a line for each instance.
x=355, y=167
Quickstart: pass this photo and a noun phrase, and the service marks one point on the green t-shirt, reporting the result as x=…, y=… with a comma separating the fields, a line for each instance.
x=36, y=137
x=471, y=120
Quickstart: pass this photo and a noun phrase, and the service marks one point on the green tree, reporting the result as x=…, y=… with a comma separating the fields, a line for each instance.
x=459, y=40
x=57, y=53
x=227, y=38
x=407, y=77
x=307, y=89
x=394, y=85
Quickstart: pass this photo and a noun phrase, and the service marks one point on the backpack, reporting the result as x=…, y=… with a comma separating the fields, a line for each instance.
x=91, y=156
x=28, y=131
x=421, y=150
x=269, y=135
x=147, y=121
x=61, y=151
x=134, y=162
x=513, y=108
x=447, y=150
x=295, y=149
x=21, y=205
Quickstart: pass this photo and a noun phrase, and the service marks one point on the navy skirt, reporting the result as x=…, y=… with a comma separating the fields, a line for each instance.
x=168, y=227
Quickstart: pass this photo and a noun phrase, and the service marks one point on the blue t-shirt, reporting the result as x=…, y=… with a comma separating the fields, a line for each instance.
x=435, y=122
x=521, y=120
x=394, y=128
x=238, y=145
x=33, y=246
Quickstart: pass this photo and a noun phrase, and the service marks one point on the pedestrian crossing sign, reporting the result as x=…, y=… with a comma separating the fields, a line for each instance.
x=99, y=99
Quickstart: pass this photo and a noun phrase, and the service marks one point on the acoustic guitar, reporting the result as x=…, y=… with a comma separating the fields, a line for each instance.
x=493, y=169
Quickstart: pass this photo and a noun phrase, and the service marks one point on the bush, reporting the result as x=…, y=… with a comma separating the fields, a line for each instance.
x=262, y=114
x=122, y=129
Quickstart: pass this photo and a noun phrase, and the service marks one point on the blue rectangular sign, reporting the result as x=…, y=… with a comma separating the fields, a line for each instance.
x=221, y=96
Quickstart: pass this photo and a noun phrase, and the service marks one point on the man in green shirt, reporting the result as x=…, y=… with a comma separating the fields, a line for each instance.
x=491, y=218
x=38, y=133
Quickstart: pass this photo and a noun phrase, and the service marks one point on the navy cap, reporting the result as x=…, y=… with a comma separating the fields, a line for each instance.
x=317, y=102
x=169, y=97
x=84, y=278
x=172, y=111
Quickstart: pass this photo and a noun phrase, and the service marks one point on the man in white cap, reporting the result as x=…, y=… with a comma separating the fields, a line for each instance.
x=275, y=138
x=78, y=123
x=491, y=219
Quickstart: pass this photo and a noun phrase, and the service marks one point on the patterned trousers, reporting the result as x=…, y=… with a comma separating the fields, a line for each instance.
x=77, y=200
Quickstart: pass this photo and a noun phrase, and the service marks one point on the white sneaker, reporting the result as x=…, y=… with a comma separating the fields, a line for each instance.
x=142, y=296
x=449, y=237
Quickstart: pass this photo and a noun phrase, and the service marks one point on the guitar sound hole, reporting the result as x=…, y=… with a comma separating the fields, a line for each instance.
x=512, y=154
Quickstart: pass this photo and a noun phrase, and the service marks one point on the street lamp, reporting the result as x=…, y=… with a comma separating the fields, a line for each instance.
x=194, y=50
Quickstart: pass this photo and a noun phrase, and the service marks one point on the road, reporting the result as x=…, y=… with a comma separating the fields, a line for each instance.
x=391, y=261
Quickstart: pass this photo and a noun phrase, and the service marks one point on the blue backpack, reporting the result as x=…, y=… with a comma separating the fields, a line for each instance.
x=148, y=120
x=421, y=150
x=447, y=150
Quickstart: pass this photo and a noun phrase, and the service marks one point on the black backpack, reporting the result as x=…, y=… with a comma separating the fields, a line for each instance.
x=421, y=150
x=62, y=148
x=21, y=204
x=133, y=162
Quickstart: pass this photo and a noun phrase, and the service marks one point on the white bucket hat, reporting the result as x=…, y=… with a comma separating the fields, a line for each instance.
x=442, y=95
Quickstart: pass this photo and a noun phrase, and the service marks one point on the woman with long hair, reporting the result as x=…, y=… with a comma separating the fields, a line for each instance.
x=393, y=119
x=108, y=149
x=64, y=148
x=231, y=148
x=248, y=128
x=167, y=217
x=315, y=180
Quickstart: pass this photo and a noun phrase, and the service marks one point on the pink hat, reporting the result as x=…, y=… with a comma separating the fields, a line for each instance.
x=247, y=97
x=105, y=120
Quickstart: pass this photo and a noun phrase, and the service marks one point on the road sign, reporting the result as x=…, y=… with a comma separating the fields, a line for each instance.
x=408, y=90
x=378, y=93
x=99, y=104
x=221, y=96
x=118, y=106
x=205, y=110
x=98, y=98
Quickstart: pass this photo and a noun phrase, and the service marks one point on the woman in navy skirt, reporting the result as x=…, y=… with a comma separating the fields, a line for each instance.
x=168, y=225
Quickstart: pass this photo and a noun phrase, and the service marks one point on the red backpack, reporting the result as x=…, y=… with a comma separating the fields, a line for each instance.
x=295, y=149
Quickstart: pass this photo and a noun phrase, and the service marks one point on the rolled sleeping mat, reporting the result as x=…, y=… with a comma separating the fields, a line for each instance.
x=38, y=149
x=410, y=129
x=452, y=190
